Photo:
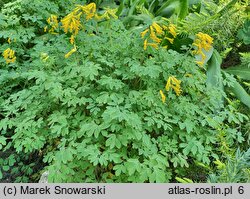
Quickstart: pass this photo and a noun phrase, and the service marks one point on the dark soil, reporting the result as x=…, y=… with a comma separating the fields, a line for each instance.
x=33, y=161
x=233, y=58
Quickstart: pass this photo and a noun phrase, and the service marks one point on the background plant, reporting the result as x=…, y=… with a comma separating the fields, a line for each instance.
x=97, y=115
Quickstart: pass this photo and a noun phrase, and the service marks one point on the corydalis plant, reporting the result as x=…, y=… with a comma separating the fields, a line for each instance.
x=9, y=56
x=72, y=22
x=53, y=24
x=157, y=35
x=174, y=84
x=203, y=44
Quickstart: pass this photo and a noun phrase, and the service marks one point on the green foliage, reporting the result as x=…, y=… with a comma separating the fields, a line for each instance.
x=173, y=6
x=240, y=93
x=17, y=167
x=244, y=32
x=215, y=78
x=234, y=170
x=214, y=71
x=221, y=20
x=23, y=20
x=245, y=59
x=99, y=111
x=97, y=116
x=241, y=71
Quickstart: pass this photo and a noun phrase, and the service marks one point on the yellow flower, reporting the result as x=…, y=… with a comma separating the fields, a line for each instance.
x=145, y=44
x=174, y=84
x=172, y=30
x=157, y=33
x=70, y=52
x=53, y=22
x=9, y=56
x=72, y=39
x=163, y=97
x=153, y=35
x=200, y=63
x=107, y=14
x=112, y=12
x=72, y=23
x=171, y=40
x=89, y=10
x=154, y=45
x=9, y=40
x=165, y=27
x=157, y=28
x=202, y=42
x=143, y=33
x=168, y=85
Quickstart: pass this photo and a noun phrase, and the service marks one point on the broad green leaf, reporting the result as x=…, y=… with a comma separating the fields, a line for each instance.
x=143, y=175
x=120, y=9
x=133, y=7
x=242, y=71
x=214, y=76
x=183, y=9
x=214, y=71
x=240, y=93
x=179, y=159
x=192, y=146
x=168, y=8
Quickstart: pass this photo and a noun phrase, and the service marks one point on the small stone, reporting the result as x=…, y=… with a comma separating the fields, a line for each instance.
x=44, y=177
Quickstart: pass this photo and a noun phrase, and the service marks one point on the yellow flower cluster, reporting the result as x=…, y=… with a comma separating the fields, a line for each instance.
x=9, y=56
x=173, y=83
x=89, y=10
x=202, y=42
x=107, y=14
x=172, y=30
x=70, y=52
x=157, y=34
x=72, y=22
x=53, y=22
x=163, y=97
